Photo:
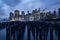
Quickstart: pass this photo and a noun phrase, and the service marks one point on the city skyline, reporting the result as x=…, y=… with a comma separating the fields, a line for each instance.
x=35, y=15
x=6, y=6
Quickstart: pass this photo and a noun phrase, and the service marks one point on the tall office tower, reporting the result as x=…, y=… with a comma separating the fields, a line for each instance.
x=23, y=13
x=38, y=14
x=39, y=10
x=36, y=11
x=54, y=12
x=28, y=15
x=33, y=11
x=28, y=12
x=59, y=12
x=17, y=13
x=11, y=16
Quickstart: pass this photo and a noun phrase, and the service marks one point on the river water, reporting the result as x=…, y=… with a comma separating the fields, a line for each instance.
x=3, y=35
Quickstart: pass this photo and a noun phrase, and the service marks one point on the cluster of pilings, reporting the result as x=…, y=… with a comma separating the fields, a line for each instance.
x=15, y=31
x=39, y=30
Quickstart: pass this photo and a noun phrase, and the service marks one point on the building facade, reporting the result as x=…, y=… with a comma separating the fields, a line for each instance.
x=59, y=12
x=36, y=15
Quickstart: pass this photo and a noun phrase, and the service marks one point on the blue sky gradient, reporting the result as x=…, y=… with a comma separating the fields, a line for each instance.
x=6, y=6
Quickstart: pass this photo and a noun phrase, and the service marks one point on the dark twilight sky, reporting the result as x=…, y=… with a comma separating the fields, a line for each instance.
x=6, y=6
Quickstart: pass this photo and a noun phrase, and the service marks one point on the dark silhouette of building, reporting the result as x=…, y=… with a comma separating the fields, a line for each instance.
x=59, y=12
x=17, y=12
x=23, y=13
x=54, y=13
x=11, y=16
x=36, y=15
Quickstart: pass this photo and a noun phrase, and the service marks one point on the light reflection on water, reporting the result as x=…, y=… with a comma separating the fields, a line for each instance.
x=3, y=35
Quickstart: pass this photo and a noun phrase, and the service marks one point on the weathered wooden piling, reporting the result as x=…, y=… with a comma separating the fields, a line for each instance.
x=8, y=32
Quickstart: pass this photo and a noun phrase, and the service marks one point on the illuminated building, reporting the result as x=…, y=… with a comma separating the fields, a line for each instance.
x=11, y=16
x=36, y=15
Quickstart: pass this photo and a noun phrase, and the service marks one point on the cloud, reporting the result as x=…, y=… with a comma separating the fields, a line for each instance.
x=2, y=14
x=1, y=11
x=6, y=6
x=4, y=10
x=56, y=3
x=29, y=5
x=11, y=2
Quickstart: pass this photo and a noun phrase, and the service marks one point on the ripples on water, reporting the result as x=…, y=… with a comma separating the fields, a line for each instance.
x=3, y=35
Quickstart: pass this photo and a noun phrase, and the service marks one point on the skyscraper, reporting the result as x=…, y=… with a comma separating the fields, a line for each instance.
x=11, y=16
x=17, y=12
x=28, y=15
x=59, y=12
x=23, y=13
x=16, y=17
x=54, y=13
